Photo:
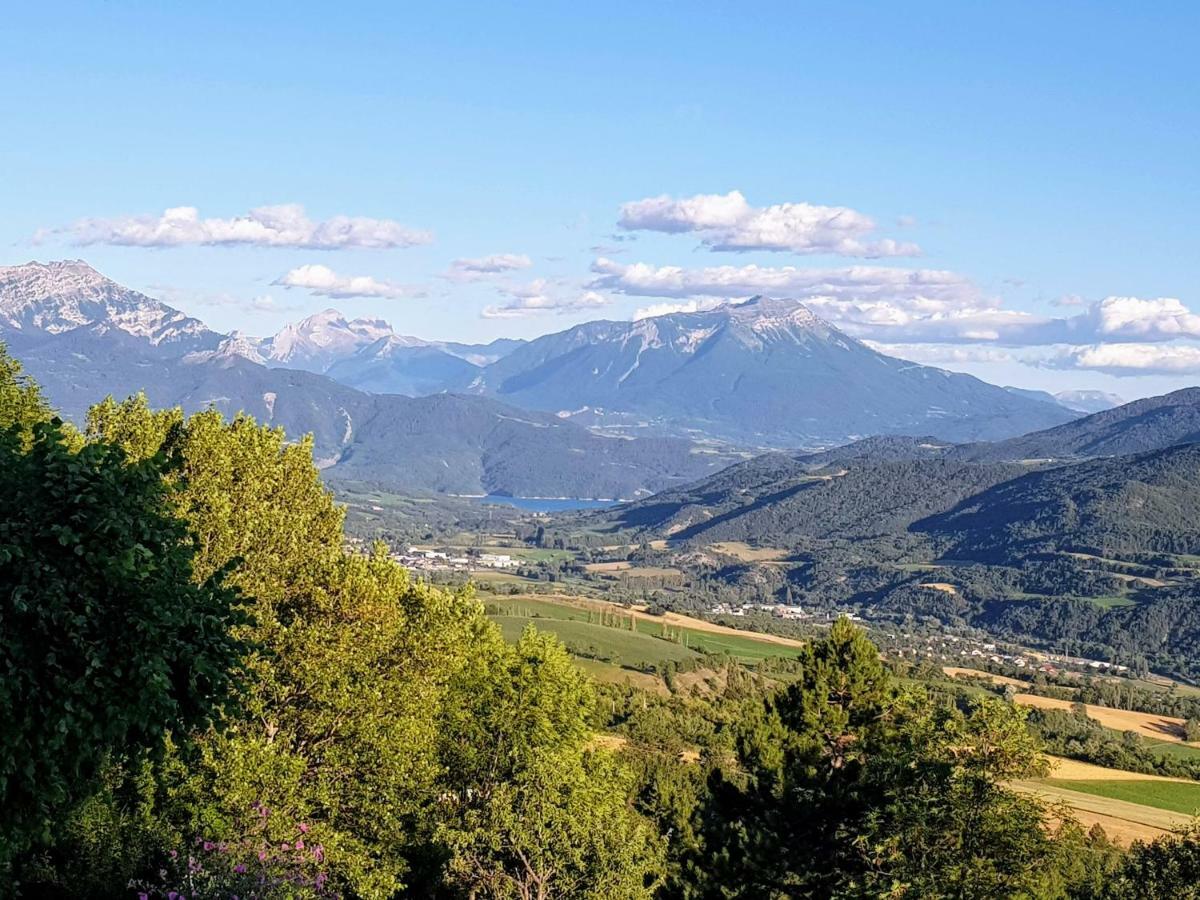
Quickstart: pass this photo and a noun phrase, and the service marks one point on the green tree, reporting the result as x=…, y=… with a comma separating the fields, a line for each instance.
x=21, y=402
x=1191, y=729
x=846, y=786
x=341, y=729
x=1166, y=868
x=108, y=639
x=532, y=811
x=249, y=495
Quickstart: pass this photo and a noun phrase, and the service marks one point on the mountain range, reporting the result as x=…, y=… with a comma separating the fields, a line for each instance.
x=885, y=484
x=83, y=337
x=764, y=373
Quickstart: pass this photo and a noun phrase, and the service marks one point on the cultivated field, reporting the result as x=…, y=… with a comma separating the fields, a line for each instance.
x=1155, y=727
x=695, y=635
x=1128, y=806
x=746, y=553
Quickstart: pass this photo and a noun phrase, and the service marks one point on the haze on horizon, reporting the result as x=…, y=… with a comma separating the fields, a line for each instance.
x=947, y=183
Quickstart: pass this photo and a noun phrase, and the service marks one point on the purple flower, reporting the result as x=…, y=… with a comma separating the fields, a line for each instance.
x=299, y=845
x=303, y=828
x=240, y=868
x=209, y=846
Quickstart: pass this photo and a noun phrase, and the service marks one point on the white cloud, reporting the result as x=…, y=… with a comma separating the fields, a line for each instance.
x=865, y=300
x=1130, y=359
x=922, y=306
x=323, y=281
x=1163, y=318
x=946, y=354
x=465, y=269
x=286, y=225
x=540, y=297
x=729, y=222
x=937, y=287
x=665, y=309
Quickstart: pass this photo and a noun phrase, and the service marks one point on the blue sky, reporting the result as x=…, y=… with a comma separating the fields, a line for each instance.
x=1042, y=161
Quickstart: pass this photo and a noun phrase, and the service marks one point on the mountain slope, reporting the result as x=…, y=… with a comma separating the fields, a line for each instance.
x=474, y=445
x=468, y=445
x=395, y=365
x=317, y=342
x=764, y=372
x=778, y=499
x=1147, y=503
x=367, y=354
x=1088, y=401
x=44, y=299
x=1140, y=426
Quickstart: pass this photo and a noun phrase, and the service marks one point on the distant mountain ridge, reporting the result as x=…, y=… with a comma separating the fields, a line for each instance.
x=82, y=337
x=766, y=372
x=784, y=497
x=1152, y=423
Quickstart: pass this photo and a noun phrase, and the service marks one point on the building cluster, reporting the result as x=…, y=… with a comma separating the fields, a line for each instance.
x=778, y=610
x=421, y=559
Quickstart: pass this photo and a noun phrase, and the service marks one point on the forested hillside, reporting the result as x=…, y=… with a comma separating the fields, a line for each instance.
x=1137, y=427
x=778, y=500
x=1133, y=505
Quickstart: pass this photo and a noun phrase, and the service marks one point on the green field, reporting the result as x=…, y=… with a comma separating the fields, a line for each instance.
x=1175, y=750
x=1176, y=796
x=631, y=648
x=1111, y=601
x=532, y=554
x=647, y=645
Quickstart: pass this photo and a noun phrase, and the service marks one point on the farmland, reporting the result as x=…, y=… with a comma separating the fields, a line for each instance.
x=1148, y=725
x=632, y=638
x=1126, y=805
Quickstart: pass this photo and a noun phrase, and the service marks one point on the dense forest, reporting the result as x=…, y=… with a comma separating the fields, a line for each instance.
x=206, y=694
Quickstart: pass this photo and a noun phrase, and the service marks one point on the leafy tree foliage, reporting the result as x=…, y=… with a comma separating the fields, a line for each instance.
x=21, y=402
x=249, y=495
x=107, y=638
x=1168, y=867
x=846, y=786
x=388, y=714
x=533, y=812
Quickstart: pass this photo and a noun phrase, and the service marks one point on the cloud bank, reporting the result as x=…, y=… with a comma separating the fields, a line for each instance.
x=539, y=297
x=325, y=282
x=286, y=225
x=728, y=222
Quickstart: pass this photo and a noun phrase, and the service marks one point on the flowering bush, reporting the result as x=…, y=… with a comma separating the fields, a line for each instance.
x=254, y=867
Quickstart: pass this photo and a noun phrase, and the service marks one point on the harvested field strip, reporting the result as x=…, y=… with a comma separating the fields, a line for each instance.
x=1163, y=728
x=1123, y=821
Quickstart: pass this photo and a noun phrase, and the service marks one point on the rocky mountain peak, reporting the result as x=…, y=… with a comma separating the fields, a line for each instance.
x=62, y=295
